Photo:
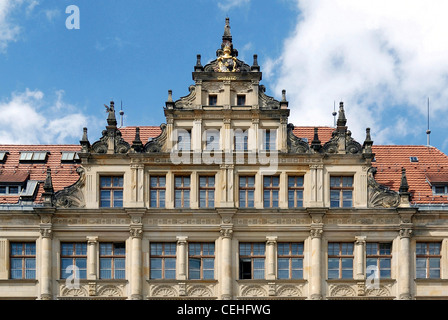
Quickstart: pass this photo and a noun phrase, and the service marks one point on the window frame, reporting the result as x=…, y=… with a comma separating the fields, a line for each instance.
x=341, y=189
x=247, y=189
x=114, y=258
x=378, y=256
x=158, y=189
x=243, y=98
x=111, y=189
x=163, y=258
x=182, y=189
x=271, y=189
x=209, y=199
x=24, y=258
x=340, y=256
x=427, y=256
x=202, y=257
x=295, y=188
x=290, y=257
x=74, y=257
x=270, y=139
x=252, y=257
x=213, y=97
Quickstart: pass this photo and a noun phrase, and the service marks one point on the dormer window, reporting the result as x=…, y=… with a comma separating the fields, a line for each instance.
x=3, y=156
x=413, y=159
x=440, y=189
x=69, y=156
x=33, y=155
x=212, y=100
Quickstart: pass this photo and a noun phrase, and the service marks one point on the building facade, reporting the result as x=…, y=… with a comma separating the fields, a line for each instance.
x=226, y=200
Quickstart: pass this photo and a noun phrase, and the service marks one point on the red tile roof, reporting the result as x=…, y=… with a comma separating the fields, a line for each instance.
x=63, y=174
x=431, y=162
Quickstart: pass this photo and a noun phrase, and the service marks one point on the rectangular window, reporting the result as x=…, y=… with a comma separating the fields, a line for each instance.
x=379, y=257
x=207, y=192
x=23, y=260
x=247, y=191
x=184, y=140
x=212, y=139
x=428, y=260
x=440, y=189
x=290, y=260
x=212, y=100
x=340, y=260
x=271, y=188
x=252, y=260
x=201, y=261
x=3, y=155
x=163, y=261
x=33, y=156
x=341, y=191
x=74, y=260
x=241, y=100
x=270, y=139
x=157, y=191
x=111, y=192
x=112, y=260
x=10, y=190
x=69, y=156
x=240, y=140
x=182, y=191
x=295, y=192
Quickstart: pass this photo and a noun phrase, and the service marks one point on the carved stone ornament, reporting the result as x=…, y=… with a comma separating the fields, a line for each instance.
x=351, y=146
x=46, y=232
x=405, y=233
x=156, y=144
x=316, y=233
x=254, y=291
x=342, y=291
x=226, y=232
x=199, y=291
x=187, y=102
x=136, y=232
x=380, y=196
x=72, y=196
x=120, y=145
x=296, y=144
x=109, y=291
x=288, y=291
x=164, y=291
x=267, y=102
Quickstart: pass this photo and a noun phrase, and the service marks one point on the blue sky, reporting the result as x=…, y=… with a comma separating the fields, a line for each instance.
x=384, y=61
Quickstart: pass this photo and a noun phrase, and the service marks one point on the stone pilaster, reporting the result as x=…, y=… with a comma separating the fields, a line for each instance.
x=271, y=243
x=182, y=258
x=316, y=255
x=136, y=278
x=46, y=257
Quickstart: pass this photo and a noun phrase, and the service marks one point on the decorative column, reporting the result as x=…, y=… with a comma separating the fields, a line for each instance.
x=359, y=275
x=316, y=252
x=92, y=248
x=405, y=275
x=136, y=234
x=270, y=250
x=226, y=233
x=46, y=252
x=182, y=258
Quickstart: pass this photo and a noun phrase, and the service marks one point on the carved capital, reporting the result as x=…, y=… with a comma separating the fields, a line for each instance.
x=92, y=240
x=182, y=241
x=316, y=233
x=46, y=232
x=270, y=241
x=226, y=232
x=136, y=232
x=405, y=233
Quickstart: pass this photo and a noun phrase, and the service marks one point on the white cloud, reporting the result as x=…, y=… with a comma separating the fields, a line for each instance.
x=26, y=118
x=226, y=5
x=8, y=30
x=382, y=58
